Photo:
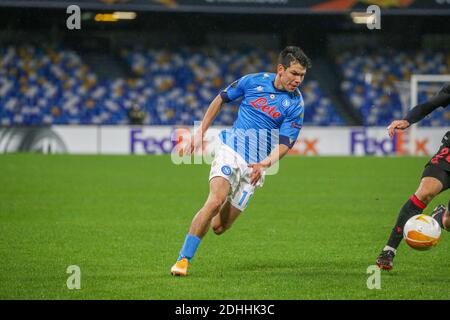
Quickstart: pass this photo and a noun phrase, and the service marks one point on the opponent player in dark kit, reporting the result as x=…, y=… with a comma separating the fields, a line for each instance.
x=435, y=178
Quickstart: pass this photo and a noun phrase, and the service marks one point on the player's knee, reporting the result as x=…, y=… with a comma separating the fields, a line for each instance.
x=215, y=203
x=218, y=230
x=426, y=195
x=428, y=189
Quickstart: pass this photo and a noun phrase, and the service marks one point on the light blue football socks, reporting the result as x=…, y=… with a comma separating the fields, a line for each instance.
x=189, y=247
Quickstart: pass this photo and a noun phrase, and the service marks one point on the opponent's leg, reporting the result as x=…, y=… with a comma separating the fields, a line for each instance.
x=440, y=169
x=225, y=219
x=446, y=218
x=429, y=187
x=442, y=216
x=219, y=189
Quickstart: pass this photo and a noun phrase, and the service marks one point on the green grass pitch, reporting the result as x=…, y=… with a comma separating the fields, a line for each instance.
x=309, y=233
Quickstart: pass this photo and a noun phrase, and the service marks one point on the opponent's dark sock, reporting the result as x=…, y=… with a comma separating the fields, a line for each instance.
x=412, y=207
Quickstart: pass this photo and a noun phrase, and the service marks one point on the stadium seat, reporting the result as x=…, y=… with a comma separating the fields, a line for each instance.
x=43, y=86
x=371, y=78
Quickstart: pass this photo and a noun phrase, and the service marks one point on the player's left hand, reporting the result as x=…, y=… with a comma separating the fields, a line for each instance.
x=194, y=143
x=257, y=171
x=397, y=125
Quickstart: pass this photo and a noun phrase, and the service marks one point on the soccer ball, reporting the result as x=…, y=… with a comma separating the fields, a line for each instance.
x=422, y=232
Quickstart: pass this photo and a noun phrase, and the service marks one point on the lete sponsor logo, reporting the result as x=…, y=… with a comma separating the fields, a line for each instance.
x=261, y=104
x=149, y=145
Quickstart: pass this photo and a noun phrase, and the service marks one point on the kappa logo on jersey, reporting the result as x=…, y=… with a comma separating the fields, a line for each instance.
x=226, y=170
x=261, y=104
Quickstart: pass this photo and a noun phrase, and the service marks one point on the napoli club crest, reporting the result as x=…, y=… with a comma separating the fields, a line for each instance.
x=226, y=170
x=286, y=103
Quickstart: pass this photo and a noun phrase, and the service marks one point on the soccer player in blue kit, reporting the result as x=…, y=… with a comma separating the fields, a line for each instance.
x=272, y=103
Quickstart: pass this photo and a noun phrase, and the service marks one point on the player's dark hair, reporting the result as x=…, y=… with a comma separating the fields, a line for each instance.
x=294, y=54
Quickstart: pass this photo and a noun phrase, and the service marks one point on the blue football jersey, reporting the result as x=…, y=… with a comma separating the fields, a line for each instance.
x=267, y=116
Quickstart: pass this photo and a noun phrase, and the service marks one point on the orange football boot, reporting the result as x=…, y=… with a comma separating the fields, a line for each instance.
x=180, y=268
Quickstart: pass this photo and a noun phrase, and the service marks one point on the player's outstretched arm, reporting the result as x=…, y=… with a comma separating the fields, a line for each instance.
x=279, y=152
x=208, y=118
x=442, y=99
x=211, y=113
x=397, y=125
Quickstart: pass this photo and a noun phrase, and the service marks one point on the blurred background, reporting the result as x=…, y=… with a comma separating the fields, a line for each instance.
x=126, y=74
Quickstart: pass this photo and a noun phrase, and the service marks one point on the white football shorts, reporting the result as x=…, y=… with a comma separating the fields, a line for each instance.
x=230, y=165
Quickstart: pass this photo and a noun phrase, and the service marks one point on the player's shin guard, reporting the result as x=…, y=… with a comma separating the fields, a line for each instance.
x=189, y=247
x=411, y=208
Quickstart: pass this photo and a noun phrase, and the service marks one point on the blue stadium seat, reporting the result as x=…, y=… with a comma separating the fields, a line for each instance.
x=370, y=78
x=41, y=85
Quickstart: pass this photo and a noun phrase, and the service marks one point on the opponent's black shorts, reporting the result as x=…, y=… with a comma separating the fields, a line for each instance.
x=439, y=165
x=436, y=172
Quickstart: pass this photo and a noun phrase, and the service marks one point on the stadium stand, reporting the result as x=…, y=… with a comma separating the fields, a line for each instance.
x=44, y=85
x=371, y=79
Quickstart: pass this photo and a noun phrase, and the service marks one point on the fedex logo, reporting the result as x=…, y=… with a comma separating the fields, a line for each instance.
x=149, y=145
x=261, y=104
x=305, y=146
x=362, y=143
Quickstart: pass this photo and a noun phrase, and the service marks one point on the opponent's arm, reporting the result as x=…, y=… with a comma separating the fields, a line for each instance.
x=279, y=152
x=420, y=111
